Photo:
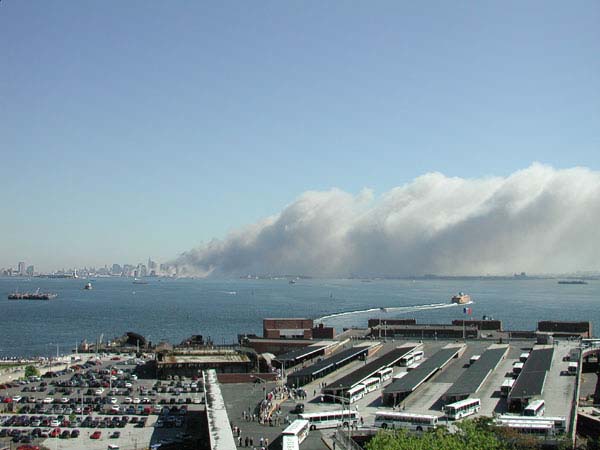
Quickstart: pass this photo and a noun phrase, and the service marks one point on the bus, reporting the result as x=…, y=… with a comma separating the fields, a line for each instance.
x=411, y=358
x=517, y=368
x=559, y=423
x=474, y=358
x=506, y=387
x=523, y=357
x=371, y=384
x=331, y=419
x=411, y=421
x=542, y=429
x=295, y=433
x=385, y=374
x=572, y=369
x=354, y=394
x=462, y=408
x=535, y=408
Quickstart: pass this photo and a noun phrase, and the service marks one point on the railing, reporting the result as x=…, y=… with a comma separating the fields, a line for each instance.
x=345, y=441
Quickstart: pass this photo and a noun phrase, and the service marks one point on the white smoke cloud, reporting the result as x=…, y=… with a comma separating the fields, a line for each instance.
x=537, y=220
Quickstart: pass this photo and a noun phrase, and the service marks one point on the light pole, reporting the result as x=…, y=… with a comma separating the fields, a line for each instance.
x=263, y=381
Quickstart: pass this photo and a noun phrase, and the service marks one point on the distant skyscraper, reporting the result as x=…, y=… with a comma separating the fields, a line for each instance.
x=30, y=271
x=21, y=269
x=116, y=269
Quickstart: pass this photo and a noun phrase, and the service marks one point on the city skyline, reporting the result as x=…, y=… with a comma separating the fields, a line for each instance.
x=138, y=129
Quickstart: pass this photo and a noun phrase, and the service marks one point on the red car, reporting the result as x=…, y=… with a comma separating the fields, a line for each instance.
x=96, y=435
x=55, y=433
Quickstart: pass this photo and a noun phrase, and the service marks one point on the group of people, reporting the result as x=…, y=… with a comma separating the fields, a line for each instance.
x=248, y=441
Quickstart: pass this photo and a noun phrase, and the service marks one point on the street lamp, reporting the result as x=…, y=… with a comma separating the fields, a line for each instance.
x=263, y=381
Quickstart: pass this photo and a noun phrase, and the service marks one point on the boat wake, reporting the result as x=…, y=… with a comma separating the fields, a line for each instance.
x=230, y=292
x=393, y=309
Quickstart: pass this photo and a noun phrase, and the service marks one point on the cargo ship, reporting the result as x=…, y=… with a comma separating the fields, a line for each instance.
x=37, y=295
x=461, y=298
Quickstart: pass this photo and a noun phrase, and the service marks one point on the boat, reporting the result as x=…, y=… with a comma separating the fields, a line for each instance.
x=292, y=281
x=138, y=281
x=37, y=295
x=88, y=287
x=461, y=298
x=572, y=282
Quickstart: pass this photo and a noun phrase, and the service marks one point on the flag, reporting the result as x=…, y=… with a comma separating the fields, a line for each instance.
x=467, y=311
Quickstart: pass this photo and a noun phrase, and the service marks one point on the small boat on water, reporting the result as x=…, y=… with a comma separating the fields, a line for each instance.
x=138, y=281
x=37, y=295
x=572, y=282
x=88, y=286
x=292, y=281
x=461, y=298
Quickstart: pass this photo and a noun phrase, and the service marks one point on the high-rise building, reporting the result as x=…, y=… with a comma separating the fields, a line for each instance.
x=116, y=269
x=21, y=268
x=30, y=271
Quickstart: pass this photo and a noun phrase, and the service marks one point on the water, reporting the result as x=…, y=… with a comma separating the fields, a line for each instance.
x=175, y=309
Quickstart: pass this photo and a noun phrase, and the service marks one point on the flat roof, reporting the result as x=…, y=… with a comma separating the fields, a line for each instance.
x=472, y=379
x=366, y=371
x=330, y=362
x=219, y=428
x=428, y=367
x=204, y=359
x=300, y=353
x=530, y=381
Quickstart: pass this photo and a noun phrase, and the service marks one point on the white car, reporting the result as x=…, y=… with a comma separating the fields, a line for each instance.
x=99, y=391
x=115, y=408
x=128, y=385
x=113, y=400
x=136, y=400
x=64, y=400
x=55, y=423
x=48, y=400
x=17, y=398
x=127, y=400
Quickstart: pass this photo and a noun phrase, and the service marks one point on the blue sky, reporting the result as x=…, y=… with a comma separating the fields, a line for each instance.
x=135, y=129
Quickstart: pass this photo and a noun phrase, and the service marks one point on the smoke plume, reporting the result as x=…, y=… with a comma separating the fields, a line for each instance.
x=537, y=220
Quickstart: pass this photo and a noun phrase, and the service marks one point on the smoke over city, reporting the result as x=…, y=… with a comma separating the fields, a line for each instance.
x=539, y=220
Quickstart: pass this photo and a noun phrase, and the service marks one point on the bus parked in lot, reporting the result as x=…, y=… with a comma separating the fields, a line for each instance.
x=385, y=374
x=371, y=384
x=354, y=394
x=535, y=408
x=462, y=408
x=411, y=358
x=415, y=422
x=331, y=419
x=507, y=386
x=295, y=433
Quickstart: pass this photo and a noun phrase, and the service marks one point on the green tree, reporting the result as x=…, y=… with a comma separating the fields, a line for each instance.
x=31, y=371
x=470, y=435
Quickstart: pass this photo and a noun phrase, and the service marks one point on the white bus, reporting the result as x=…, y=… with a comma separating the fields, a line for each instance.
x=371, y=384
x=385, y=374
x=535, y=408
x=331, y=419
x=572, y=369
x=559, y=423
x=411, y=358
x=295, y=433
x=543, y=429
x=506, y=387
x=474, y=358
x=523, y=357
x=416, y=422
x=517, y=368
x=462, y=408
x=354, y=394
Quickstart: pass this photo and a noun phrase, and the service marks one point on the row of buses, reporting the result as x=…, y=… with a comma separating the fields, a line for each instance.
x=369, y=385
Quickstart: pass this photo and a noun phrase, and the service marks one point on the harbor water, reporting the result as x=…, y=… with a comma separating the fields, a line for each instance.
x=169, y=309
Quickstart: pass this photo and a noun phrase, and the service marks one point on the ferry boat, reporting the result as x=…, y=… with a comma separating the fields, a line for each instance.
x=37, y=295
x=461, y=298
x=88, y=287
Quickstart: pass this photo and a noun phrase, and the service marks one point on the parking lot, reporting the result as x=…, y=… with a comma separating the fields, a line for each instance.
x=99, y=401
